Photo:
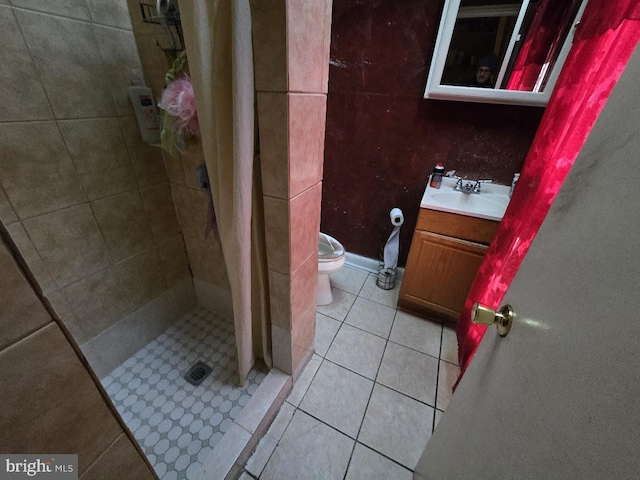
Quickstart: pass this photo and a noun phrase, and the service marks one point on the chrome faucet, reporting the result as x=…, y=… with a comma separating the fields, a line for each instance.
x=469, y=187
x=459, y=187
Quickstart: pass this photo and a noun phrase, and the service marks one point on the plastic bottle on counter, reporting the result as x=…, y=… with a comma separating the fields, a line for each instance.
x=436, y=176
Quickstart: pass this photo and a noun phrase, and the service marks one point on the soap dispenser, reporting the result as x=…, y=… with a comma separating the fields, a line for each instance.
x=516, y=176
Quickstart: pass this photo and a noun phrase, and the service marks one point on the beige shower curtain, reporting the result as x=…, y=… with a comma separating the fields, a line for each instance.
x=218, y=39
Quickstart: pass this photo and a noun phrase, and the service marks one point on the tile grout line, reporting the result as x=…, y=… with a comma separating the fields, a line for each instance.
x=417, y=351
x=308, y=386
x=57, y=15
x=355, y=440
x=370, y=395
x=360, y=291
x=379, y=383
x=387, y=340
x=401, y=393
x=332, y=338
x=353, y=449
x=383, y=455
x=435, y=401
x=277, y=443
x=323, y=359
x=365, y=331
x=38, y=72
x=369, y=399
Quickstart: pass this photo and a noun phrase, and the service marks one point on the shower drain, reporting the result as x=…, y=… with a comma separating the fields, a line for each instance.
x=197, y=373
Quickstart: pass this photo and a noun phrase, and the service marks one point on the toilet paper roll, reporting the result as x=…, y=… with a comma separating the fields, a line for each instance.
x=392, y=246
x=397, y=218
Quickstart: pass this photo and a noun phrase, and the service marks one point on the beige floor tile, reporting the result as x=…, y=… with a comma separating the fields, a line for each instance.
x=417, y=333
x=326, y=329
x=436, y=421
x=369, y=465
x=372, y=292
x=309, y=449
x=256, y=463
x=349, y=279
x=338, y=397
x=409, y=372
x=357, y=351
x=281, y=421
x=371, y=316
x=268, y=443
x=397, y=426
x=304, y=380
x=449, y=352
x=339, y=308
x=447, y=377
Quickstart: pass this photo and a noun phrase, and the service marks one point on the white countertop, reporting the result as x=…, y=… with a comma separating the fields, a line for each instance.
x=490, y=203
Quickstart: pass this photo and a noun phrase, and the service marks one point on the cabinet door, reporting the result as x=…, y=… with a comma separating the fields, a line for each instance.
x=439, y=274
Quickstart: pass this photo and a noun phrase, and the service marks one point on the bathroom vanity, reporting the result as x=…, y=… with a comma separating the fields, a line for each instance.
x=452, y=235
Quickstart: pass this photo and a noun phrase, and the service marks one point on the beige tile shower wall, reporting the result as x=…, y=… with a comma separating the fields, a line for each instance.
x=66, y=411
x=85, y=200
x=153, y=46
x=291, y=56
x=204, y=250
x=190, y=203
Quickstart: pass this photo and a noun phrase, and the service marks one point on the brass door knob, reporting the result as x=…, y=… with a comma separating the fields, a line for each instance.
x=488, y=316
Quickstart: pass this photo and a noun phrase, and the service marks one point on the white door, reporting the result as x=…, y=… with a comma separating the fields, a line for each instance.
x=559, y=397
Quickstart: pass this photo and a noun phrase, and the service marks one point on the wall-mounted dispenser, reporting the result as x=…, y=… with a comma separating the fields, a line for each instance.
x=146, y=113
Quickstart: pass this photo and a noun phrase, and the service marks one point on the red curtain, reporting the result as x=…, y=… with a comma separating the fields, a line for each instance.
x=542, y=43
x=603, y=44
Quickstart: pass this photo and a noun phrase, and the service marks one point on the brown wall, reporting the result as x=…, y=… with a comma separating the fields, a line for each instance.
x=56, y=407
x=383, y=138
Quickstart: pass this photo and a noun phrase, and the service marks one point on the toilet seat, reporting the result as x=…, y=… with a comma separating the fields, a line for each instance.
x=329, y=248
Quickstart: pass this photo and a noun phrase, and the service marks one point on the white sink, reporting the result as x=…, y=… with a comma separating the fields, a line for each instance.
x=490, y=203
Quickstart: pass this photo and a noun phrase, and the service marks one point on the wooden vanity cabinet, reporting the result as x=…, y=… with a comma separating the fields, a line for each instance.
x=445, y=255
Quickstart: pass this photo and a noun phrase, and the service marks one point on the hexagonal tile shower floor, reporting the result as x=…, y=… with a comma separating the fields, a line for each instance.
x=176, y=423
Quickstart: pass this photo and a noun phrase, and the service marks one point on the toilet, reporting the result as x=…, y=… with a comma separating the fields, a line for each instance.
x=330, y=260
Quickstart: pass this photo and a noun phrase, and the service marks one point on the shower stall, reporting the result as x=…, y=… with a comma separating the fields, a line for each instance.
x=113, y=231
x=179, y=394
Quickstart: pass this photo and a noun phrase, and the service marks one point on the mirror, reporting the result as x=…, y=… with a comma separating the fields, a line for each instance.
x=502, y=51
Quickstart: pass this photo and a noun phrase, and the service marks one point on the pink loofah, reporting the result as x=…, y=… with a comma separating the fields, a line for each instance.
x=178, y=100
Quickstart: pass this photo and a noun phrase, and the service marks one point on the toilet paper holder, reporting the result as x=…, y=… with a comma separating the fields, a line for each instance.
x=386, y=278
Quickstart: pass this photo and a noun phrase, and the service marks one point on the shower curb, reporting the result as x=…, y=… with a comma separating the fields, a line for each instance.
x=228, y=457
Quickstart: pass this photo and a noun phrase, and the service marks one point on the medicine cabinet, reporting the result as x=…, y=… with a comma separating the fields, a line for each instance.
x=502, y=51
